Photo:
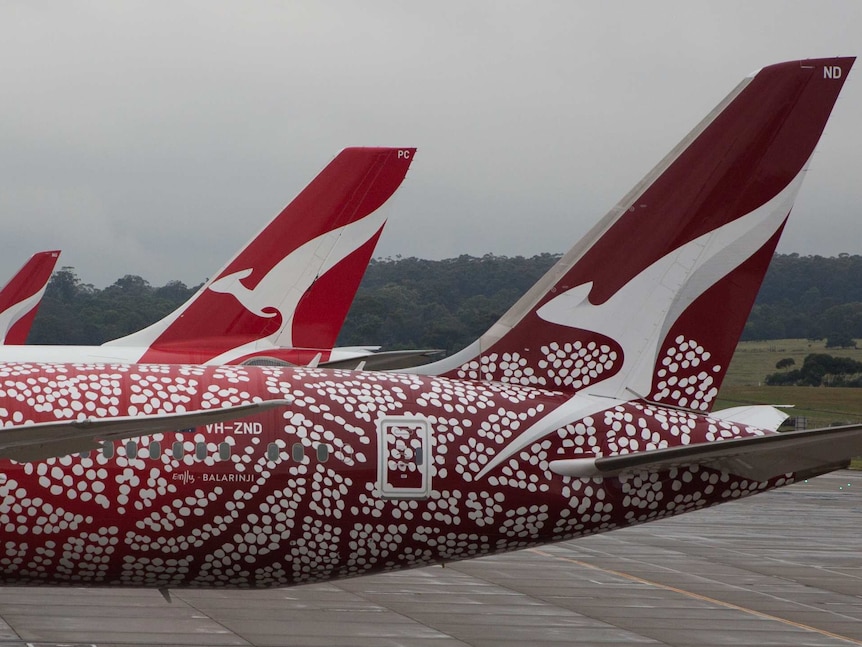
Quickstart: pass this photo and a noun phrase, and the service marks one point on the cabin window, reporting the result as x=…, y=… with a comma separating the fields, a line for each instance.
x=200, y=451
x=272, y=452
x=108, y=450
x=131, y=449
x=297, y=452
x=155, y=449
x=177, y=450
x=322, y=453
x=224, y=451
x=417, y=452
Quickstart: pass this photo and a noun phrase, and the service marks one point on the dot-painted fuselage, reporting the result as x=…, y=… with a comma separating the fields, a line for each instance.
x=363, y=472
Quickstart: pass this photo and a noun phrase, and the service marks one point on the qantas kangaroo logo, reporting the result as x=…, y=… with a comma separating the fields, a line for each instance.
x=16, y=311
x=232, y=284
x=276, y=296
x=660, y=294
x=21, y=296
x=299, y=269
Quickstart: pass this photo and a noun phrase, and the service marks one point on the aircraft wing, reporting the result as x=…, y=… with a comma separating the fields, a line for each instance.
x=808, y=452
x=386, y=360
x=38, y=441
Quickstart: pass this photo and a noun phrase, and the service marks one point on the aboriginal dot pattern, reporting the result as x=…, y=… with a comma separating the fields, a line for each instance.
x=569, y=366
x=685, y=376
x=253, y=522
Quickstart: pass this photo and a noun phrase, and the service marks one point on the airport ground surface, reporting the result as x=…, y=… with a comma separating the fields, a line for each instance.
x=782, y=568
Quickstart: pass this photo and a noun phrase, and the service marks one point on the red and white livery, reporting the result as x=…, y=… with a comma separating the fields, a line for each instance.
x=585, y=409
x=21, y=296
x=284, y=297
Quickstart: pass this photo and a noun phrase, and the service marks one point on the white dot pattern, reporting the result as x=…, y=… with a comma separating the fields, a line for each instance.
x=248, y=521
x=685, y=377
x=569, y=366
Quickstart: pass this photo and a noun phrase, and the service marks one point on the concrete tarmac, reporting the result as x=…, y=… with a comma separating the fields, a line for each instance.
x=781, y=568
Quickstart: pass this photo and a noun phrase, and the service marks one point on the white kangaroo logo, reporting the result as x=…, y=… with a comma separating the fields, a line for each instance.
x=14, y=313
x=231, y=284
x=280, y=291
x=640, y=314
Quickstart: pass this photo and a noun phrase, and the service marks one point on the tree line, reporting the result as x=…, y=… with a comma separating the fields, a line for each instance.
x=818, y=369
x=416, y=303
x=809, y=297
x=76, y=313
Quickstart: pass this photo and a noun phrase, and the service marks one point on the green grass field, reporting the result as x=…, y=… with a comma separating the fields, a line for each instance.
x=754, y=360
x=823, y=406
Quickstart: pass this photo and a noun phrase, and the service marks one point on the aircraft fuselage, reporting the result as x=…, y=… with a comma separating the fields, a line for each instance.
x=364, y=472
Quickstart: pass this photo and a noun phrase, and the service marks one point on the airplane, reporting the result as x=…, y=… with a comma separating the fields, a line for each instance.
x=586, y=408
x=21, y=296
x=284, y=297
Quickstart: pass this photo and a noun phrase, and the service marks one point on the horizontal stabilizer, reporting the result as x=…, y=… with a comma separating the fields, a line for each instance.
x=388, y=360
x=760, y=458
x=763, y=416
x=38, y=441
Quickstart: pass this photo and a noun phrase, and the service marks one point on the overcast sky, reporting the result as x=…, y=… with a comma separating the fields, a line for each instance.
x=156, y=138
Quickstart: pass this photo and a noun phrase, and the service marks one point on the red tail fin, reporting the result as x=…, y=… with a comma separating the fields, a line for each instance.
x=651, y=303
x=293, y=283
x=21, y=296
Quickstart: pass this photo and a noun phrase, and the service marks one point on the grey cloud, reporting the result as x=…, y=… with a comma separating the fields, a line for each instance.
x=155, y=139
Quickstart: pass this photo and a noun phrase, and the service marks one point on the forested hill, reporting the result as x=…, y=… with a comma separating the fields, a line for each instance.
x=414, y=303
x=809, y=297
